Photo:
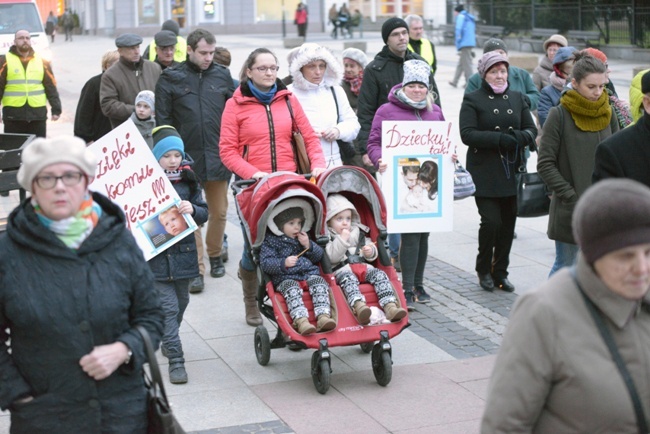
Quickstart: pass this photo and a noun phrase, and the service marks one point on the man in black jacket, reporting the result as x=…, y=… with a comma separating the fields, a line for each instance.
x=191, y=97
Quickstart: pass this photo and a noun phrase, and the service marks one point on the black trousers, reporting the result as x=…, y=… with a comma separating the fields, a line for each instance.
x=495, y=234
x=38, y=128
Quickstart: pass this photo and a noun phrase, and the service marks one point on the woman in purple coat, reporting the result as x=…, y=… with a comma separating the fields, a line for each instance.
x=410, y=100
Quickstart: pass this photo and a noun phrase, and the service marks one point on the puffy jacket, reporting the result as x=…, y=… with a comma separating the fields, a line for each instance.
x=396, y=110
x=180, y=260
x=382, y=73
x=275, y=249
x=518, y=79
x=27, y=113
x=193, y=102
x=549, y=98
x=465, y=30
x=77, y=299
x=542, y=73
x=121, y=83
x=257, y=137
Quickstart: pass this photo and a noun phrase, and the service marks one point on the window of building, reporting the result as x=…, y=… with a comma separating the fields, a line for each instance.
x=148, y=12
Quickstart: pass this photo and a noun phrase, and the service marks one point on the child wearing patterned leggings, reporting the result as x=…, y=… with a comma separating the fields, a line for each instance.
x=289, y=256
x=350, y=252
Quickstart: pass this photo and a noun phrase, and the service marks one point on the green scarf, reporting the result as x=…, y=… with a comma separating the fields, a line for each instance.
x=73, y=230
x=587, y=115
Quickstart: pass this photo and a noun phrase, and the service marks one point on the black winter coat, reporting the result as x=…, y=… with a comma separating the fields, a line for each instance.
x=59, y=303
x=180, y=261
x=275, y=249
x=192, y=101
x=484, y=118
x=382, y=73
x=90, y=123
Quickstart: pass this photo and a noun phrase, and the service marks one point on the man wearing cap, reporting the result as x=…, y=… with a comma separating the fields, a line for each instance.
x=122, y=82
x=180, y=47
x=465, y=40
x=542, y=73
x=165, y=44
x=418, y=44
x=26, y=85
x=191, y=97
x=518, y=78
x=626, y=154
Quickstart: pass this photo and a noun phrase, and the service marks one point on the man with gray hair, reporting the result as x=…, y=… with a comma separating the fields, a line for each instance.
x=418, y=44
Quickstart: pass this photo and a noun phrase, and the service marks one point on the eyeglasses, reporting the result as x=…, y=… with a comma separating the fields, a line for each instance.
x=263, y=69
x=69, y=179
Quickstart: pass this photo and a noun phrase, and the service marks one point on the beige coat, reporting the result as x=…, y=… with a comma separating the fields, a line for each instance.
x=554, y=373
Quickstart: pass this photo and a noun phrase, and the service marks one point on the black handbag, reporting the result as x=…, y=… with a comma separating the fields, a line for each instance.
x=346, y=149
x=532, y=195
x=159, y=412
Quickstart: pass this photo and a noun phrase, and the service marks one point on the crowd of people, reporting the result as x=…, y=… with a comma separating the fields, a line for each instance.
x=205, y=127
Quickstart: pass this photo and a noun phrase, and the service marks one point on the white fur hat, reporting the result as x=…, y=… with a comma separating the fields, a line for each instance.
x=356, y=55
x=310, y=52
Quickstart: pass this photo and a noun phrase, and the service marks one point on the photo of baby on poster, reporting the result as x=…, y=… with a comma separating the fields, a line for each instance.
x=130, y=176
x=418, y=183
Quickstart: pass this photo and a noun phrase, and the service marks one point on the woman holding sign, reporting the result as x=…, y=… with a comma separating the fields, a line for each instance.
x=73, y=285
x=409, y=100
x=496, y=124
x=256, y=139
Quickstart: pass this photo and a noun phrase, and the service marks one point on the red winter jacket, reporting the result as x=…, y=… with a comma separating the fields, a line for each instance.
x=257, y=138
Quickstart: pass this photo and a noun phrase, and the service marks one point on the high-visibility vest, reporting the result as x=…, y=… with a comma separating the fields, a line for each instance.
x=24, y=85
x=180, y=50
x=425, y=51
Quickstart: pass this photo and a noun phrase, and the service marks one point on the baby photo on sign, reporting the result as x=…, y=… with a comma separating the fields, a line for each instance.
x=166, y=226
x=418, y=189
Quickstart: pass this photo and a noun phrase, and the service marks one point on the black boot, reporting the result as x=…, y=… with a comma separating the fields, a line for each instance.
x=196, y=285
x=216, y=267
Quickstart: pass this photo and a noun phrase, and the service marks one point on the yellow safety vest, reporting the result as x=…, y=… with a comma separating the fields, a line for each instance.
x=425, y=51
x=180, y=51
x=24, y=86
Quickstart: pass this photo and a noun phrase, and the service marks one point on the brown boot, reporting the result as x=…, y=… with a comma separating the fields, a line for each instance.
x=394, y=313
x=362, y=312
x=303, y=326
x=325, y=323
x=249, y=286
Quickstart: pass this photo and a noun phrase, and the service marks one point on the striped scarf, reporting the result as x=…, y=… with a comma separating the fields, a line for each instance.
x=74, y=230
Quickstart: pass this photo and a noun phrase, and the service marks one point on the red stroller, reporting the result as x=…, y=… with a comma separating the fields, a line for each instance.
x=255, y=201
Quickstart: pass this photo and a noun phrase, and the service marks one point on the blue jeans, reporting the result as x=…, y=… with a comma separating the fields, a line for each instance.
x=393, y=244
x=565, y=256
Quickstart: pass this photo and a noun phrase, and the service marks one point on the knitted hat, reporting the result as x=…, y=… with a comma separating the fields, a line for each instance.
x=488, y=60
x=557, y=39
x=165, y=139
x=390, y=25
x=563, y=54
x=165, y=38
x=595, y=53
x=147, y=97
x=611, y=215
x=645, y=82
x=356, y=55
x=416, y=71
x=493, y=44
x=337, y=203
x=171, y=25
x=300, y=209
x=459, y=8
x=41, y=153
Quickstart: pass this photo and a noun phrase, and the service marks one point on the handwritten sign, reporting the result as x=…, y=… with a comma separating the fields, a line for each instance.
x=419, y=179
x=130, y=176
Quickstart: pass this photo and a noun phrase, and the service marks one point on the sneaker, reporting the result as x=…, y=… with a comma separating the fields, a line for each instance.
x=421, y=295
x=177, y=373
x=410, y=300
x=196, y=285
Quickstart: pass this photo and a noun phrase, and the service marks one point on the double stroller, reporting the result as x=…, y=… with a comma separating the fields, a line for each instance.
x=255, y=201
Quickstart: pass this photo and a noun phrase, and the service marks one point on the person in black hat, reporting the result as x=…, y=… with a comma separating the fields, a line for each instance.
x=180, y=48
x=165, y=45
x=382, y=73
x=465, y=41
x=129, y=76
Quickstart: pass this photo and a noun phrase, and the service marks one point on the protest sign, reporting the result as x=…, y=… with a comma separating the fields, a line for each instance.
x=130, y=176
x=418, y=183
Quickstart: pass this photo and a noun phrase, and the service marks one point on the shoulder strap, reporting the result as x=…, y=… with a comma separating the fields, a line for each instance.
x=156, y=382
x=293, y=119
x=336, y=102
x=613, y=349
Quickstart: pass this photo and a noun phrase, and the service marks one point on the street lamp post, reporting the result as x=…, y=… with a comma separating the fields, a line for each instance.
x=284, y=22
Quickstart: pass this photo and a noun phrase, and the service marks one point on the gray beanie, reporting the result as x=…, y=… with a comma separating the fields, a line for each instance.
x=416, y=71
x=356, y=55
x=611, y=215
x=494, y=44
x=172, y=26
x=147, y=97
x=41, y=153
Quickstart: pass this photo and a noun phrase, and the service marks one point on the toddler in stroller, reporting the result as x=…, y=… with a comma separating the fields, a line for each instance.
x=288, y=256
x=349, y=252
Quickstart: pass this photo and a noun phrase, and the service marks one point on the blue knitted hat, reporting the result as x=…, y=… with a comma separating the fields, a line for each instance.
x=165, y=139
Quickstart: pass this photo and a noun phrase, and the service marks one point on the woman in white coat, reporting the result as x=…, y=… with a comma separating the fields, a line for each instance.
x=316, y=76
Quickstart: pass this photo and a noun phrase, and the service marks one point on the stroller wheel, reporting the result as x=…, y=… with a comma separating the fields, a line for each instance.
x=366, y=347
x=320, y=373
x=262, y=345
x=382, y=365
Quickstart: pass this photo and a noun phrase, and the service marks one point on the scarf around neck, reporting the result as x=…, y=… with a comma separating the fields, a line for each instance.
x=556, y=81
x=264, y=97
x=74, y=230
x=355, y=83
x=406, y=100
x=588, y=115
